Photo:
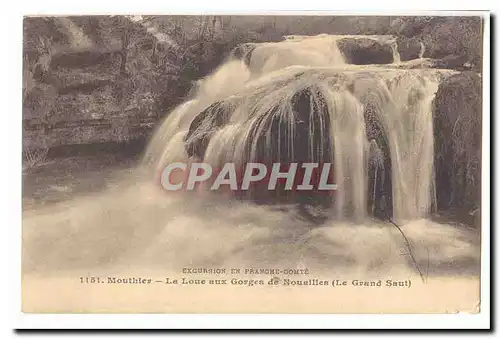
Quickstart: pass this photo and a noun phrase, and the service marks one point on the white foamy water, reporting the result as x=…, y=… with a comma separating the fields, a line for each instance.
x=239, y=126
x=138, y=226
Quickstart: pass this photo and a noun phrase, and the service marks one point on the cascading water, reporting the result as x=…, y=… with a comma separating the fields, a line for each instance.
x=409, y=128
x=422, y=50
x=395, y=53
x=297, y=100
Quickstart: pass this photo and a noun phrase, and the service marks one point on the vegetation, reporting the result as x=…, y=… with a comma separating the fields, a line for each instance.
x=457, y=125
x=136, y=69
x=112, y=78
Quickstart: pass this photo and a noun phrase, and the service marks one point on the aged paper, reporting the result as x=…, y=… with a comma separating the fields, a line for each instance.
x=252, y=164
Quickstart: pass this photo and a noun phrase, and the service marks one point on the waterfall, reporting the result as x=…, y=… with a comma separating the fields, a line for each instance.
x=226, y=80
x=395, y=53
x=422, y=50
x=297, y=101
x=321, y=50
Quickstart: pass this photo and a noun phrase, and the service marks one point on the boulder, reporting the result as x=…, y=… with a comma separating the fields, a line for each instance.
x=457, y=131
x=457, y=111
x=214, y=117
x=442, y=36
x=409, y=48
x=82, y=59
x=305, y=103
x=365, y=51
x=456, y=62
x=243, y=52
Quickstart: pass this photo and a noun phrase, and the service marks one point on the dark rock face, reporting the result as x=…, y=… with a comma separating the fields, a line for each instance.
x=379, y=196
x=457, y=159
x=365, y=51
x=458, y=63
x=81, y=59
x=202, y=128
x=78, y=94
x=299, y=151
x=442, y=37
x=409, y=48
x=379, y=201
x=457, y=131
x=243, y=52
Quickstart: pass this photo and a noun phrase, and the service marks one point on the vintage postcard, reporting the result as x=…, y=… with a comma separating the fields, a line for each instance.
x=239, y=164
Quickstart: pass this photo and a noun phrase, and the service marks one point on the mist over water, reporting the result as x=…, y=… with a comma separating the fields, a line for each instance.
x=250, y=116
x=138, y=227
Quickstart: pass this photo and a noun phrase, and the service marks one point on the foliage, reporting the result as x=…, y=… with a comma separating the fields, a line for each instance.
x=443, y=36
x=457, y=130
x=158, y=59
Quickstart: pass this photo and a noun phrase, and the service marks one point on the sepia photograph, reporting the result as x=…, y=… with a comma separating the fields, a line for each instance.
x=313, y=164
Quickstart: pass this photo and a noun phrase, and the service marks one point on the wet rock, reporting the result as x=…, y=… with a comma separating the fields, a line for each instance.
x=81, y=59
x=298, y=150
x=243, y=52
x=303, y=148
x=365, y=51
x=442, y=37
x=379, y=195
x=456, y=62
x=202, y=128
x=457, y=132
x=409, y=48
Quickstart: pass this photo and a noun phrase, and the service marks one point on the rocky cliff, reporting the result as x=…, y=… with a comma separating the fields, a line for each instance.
x=112, y=78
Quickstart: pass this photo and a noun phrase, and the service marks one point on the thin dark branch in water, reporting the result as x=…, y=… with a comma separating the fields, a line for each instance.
x=407, y=243
x=428, y=263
